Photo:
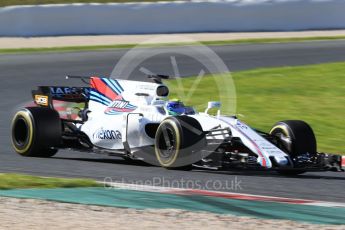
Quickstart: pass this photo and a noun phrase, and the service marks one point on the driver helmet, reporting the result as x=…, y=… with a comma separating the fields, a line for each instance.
x=175, y=107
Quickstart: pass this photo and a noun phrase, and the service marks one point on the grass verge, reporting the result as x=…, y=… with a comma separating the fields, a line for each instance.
x=16, y=181
x=314, y=93
x=208, y=43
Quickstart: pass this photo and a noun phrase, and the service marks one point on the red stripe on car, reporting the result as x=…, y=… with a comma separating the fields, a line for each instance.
x=103, y=88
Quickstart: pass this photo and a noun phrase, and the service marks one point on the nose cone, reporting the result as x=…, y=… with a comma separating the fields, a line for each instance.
x=281, y=160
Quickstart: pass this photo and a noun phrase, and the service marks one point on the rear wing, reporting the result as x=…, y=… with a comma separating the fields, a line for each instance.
x=44, y=95
x=69, y=102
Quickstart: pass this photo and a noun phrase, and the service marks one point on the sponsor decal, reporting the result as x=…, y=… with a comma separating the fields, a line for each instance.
x=120, y=106
x=105, y=134
x=159, y=102
x=69, y=92
x=240, y=125
x=41, y=100
x=146, y=87
x=108, y=92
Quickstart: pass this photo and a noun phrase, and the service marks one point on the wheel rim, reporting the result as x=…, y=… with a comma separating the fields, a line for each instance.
x=167, y=143
x=286, y=141
x=21, y=132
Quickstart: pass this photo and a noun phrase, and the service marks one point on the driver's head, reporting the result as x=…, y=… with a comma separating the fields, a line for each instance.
x=175, y=107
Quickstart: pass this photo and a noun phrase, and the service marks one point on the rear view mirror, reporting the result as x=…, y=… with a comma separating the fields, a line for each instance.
x=212, y=105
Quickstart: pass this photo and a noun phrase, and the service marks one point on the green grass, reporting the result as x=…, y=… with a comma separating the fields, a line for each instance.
x=273, y=40
x=314, y=93
x=65, y=49
x=37, y=2
x=128, y=46
x=14, y=181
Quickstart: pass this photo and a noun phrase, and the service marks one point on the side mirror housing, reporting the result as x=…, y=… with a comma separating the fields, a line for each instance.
x=212, y=105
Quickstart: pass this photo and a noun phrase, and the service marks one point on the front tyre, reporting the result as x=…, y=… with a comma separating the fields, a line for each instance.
x=36, y=131
x=295, y=138
x=178, y=141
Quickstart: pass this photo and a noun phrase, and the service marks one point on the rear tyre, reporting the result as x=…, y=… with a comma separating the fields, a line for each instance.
x=178, y=141
x=36, y=131
x=295, y=137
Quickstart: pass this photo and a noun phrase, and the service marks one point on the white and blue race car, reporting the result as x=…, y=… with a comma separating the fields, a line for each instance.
x=136, y=120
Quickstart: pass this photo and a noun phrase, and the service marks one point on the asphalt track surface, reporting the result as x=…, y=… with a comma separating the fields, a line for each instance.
x=21, y=73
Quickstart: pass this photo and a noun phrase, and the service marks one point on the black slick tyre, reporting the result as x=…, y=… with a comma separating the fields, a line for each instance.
x=36, y=132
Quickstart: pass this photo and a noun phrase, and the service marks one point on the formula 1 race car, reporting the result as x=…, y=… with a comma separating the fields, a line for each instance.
x=135, y=120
